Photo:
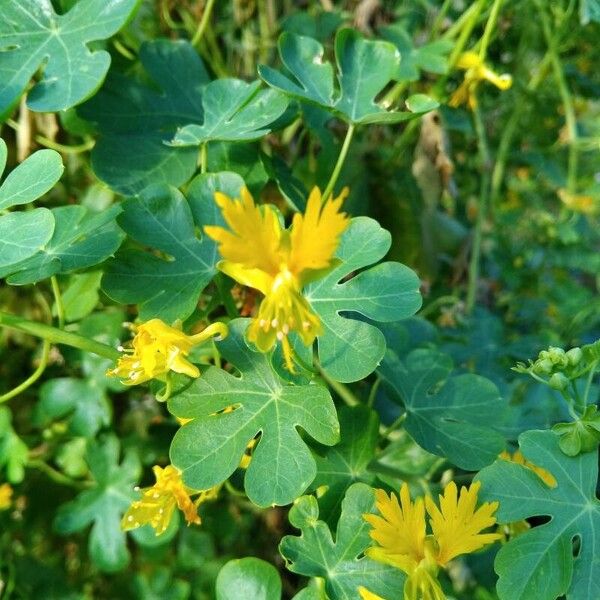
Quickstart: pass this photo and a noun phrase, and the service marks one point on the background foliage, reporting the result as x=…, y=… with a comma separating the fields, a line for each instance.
x=474, y=245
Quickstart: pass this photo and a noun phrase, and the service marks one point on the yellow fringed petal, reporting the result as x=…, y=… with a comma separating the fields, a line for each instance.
x=457, y=525
x=6, y=493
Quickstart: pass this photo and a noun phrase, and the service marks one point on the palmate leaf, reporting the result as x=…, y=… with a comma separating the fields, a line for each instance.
x=451, y=415
x=346, y=463
x=32, y=34
x=80, y=239
x=559, y=557
x=350, y=349
x=30, y=179
x=316, y=554
x=209, y=448
x=135, y=120
x=23, y=234
x=250, y=578
x=365, y=67
x=432, y=57
x=103, y=505
x=14, y=452
x=233, y=111
x=161, y=218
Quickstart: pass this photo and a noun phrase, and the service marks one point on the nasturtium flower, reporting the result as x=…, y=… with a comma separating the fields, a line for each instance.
x=6, y=493
x=519, y=459
x=259, y=252
x=157, y=349
x=476, y=72
x=400, y=531
x=158, y=503
x=365, y=594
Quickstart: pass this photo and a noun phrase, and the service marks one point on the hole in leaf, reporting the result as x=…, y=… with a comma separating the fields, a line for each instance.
x=576, y=546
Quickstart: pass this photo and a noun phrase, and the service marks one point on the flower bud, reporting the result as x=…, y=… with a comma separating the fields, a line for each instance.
x=558, y=382
x=574, y=356
x=543, y=367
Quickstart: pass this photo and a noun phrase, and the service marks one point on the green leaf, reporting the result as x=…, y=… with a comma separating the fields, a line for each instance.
x=365, y=67
x=81, y=296
x=346, y=463
x=104, y=504
x=3, y=155
x=167, y=285
x=248, y=578
x=135, y=120
x=14, y=452
x=33, y=35
x=448, y=414
x=31, y=179
x=582, y=435
x=84, y=402
x=81, y=239
x=432, y=57
x=350, y=349
x=209, y=448
x=234, y=111
x=316, y=554
x=559, y=557
x=23, y=234
x=243, y=159
x=589, y=10
x=160, y=585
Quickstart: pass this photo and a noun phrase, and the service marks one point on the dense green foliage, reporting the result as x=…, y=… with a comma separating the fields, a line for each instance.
x=458, y=315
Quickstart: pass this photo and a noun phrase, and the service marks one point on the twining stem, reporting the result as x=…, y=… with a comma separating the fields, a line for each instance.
x=56, y=476
x=588, y=383
x=565, y=94
x=203, y=22
x=340, y=389
x=203, y=158
x=339, y=164
x=60, y=309
x=57, y=336
x=32, y=378
x=466, y=30
x=485, y=158
x=489, y=28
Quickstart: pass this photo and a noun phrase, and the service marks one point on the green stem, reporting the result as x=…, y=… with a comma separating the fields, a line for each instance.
x=32, y=378
x=433, y=306
x=467, y=28
x=60, y=309
x=485, y=158
x=203, y=22
x=57, y=336
x=339, y=164
x=489, y=29
x=588, y=383
x=373, y=392
x=565, y=94
x=57, y=476
x=385, y=431
x=439, y=20
x=203, y=158
x=340, y=389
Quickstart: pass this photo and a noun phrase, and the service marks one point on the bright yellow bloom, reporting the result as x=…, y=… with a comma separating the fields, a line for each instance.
x=365, y=594
x=476, y=72
x=258, y=252
x=519, y=459
x=583, y=203
x=158, y=349
x=6, y=493
x=158, y=502
x=401, y=533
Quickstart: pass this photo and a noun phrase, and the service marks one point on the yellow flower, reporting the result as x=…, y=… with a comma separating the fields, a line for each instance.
x=582, y=203
x=519, y=459
x=158, y=502
x=365, y=594
x=476, y=72
x=258, y=252
x=6, y=493
x=157, y=349
x=401, y=532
